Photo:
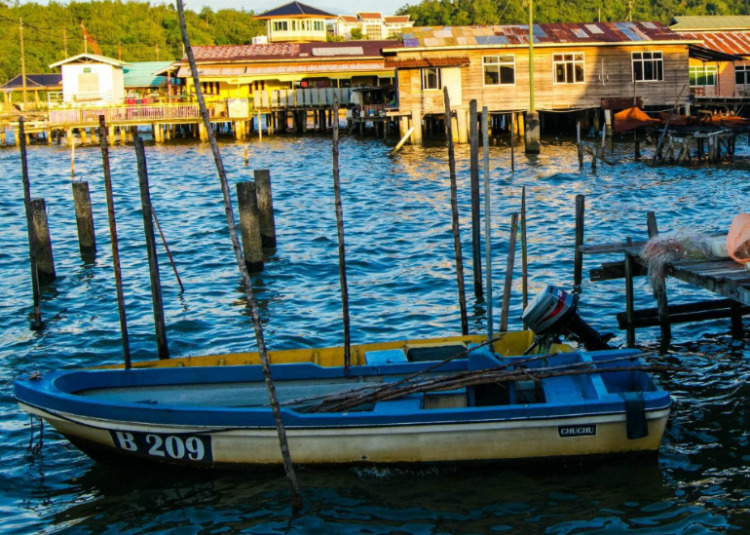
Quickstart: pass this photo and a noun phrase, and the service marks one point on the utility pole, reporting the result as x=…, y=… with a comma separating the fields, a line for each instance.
x=23, y=60
x=65, y=41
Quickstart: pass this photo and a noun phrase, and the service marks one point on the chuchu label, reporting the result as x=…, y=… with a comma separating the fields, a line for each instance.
x=566, y=431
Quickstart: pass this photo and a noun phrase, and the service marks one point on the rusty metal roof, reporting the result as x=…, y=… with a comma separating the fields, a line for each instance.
x=547, y=33
x=734, y=43
x=418, y=63
x=297, y=52
x=240, y=71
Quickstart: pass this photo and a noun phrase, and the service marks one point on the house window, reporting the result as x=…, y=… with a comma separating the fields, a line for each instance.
x=431, y=78
x=318, y=25
x=499, y=70
x=703, y=75
x=280, y=25
x=742, y=74
x=648, y=67
x=568, y=68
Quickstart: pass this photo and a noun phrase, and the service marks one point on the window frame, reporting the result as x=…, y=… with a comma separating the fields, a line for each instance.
x=703, y=72
x=575, y=59
x=500, y=61
x=281, y=26
x=655, y=63
x=745, y=70
x=426, y=73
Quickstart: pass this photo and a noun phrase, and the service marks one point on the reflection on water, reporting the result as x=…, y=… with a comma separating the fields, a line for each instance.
x=402, y=283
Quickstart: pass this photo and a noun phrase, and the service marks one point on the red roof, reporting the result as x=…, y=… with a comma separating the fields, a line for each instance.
x=735, y=43
x=291, y=51
x=397, y=18
x=369, y=15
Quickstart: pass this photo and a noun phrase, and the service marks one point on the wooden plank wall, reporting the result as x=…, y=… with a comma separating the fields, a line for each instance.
x=607, y=74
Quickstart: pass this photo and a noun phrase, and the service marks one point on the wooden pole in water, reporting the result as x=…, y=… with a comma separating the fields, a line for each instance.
x=84, y=220
x=73, y=156
x=153, y=261
x=578, y=255
x=115, y=243
x=36, y=324
x=252, y=304
x=509, y=272
x=340, y=231
x=265, y=207
x=252, y=244
x=454, y=211
x=487, y=219
x=476, y=233
x=513, y=142
x=524, y=251
x=45, y=263
x=166, y=248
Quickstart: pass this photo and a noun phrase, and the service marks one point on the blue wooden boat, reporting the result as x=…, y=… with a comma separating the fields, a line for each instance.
x=484, y=407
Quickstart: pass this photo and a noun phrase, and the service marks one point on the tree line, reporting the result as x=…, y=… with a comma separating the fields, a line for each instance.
x=130, y=31
x=467, y=12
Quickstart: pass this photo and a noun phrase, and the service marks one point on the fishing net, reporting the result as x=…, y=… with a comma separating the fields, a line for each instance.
x=675, y=246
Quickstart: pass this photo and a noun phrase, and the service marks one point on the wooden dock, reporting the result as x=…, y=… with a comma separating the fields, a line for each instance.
x=722, y=276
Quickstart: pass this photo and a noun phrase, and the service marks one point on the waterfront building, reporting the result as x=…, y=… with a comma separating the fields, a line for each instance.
x=576, y=67
x=92, y=79
x=372, y=25
x=720, y=65
x=295, y=22
x=38, y=85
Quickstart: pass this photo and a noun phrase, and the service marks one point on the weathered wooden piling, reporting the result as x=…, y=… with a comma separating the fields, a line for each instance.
x=36, y=323
x=252, y=244
x=45, y=263
x=84, y=220
x=454, y=213
x=487, y=220
x=115, y=242
x=509, y=272
x=265, y=207
x=476, y=234
x=153, y=262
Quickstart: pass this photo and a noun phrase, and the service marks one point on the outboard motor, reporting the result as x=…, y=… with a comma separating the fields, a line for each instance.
x=553, y=312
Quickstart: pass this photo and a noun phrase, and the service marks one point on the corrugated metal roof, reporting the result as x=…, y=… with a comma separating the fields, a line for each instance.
x=270, y=70
x=34, y=81
x=141, y=74
x=293, y=9
x=290, y=51
x=418, y=63
x=736, y=43
x=722, y=22
x=569, y=33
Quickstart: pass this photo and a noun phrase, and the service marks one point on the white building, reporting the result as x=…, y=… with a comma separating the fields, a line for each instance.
x=90, y=79
x=372, y=24
x=295, y=22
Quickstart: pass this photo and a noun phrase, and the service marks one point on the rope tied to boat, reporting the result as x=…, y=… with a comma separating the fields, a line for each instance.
x=35, y=448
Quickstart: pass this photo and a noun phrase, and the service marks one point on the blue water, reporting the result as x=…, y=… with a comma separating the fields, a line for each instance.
x=402, y=283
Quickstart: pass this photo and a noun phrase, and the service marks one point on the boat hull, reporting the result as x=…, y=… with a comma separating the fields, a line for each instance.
x=476, y=441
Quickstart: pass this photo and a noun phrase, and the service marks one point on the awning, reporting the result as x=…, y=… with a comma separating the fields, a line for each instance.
x=707, y=54
x=421, y=63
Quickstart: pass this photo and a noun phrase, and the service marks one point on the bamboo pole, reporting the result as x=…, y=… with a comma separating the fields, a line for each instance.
x=153, y=262
x=454, y=211
x=476, y=233
x=166, y=248
x=35, y=292
x=509, y=272
x=403, y=140
x=487, y=218
x=340, y=231
x=252, y=304
x=524, y=253
x=115, y=243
